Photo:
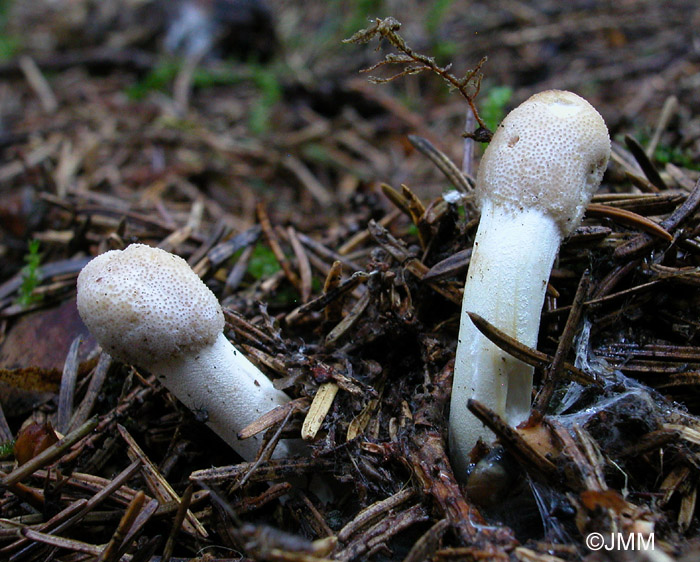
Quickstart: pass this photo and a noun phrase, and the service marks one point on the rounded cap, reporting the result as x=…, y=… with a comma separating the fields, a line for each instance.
x=549, y=153
x=145, y=305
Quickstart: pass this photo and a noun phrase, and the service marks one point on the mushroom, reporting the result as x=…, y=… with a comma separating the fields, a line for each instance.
x=146, y=307
x=533, y=184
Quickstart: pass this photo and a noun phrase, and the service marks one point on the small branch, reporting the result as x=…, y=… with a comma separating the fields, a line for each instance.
x=49, y=455
x=468, y=85
x=553, y=372
x=526, y=354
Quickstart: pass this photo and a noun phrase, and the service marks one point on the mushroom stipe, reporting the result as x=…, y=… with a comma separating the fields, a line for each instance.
x=535, y=179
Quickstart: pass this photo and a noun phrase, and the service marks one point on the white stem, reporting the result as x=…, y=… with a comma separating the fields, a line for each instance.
x=506, y=284
x=228, y=388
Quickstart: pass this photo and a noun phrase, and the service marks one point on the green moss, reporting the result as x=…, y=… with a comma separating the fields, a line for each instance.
x=30, y=276
x=9, y=44
x=163, y=74
x=266, y=80
x=6, y=449
x=677, y=156
x=493, y=105
x=263, y=262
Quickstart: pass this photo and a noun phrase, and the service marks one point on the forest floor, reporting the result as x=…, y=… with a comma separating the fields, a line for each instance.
x=332, y=217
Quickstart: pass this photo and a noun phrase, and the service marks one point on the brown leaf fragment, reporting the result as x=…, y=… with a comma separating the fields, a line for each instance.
x=32, y=439
x=48, y=455
x=603, y=499
x=33, y=354
x=529, y=451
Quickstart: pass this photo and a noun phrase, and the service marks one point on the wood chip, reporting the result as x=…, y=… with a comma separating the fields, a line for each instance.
x=323, y=400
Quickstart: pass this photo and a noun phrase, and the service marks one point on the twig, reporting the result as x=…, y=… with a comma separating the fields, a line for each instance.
x=38, y=83
x=628, y=218
x=671, y=223
x=274, y=244
x=99, y=375
x=553, y=372
x=274, y=416
x=67, y=390
x=449, y=169
x=317, y=190
x=5, y=431
x=48, y=526
x=305, y=275
x=327, y=298
x=645, y=163
x=177, y=523
x=428, y=543
x=381, y=532
x=111, y=551
x=344, y=326
x=329, y=254
x=511, y=439
x=61, y=542
x=526, y=354
x=91, y=504
x=667, y=111
x=415, y=62
x=49, y=455
x=265, y=453
x=425, y=454
x=159, y=485
x=373, y=512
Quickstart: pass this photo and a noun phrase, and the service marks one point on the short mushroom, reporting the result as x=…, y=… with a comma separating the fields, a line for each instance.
x=146, y=307
x=533, y=184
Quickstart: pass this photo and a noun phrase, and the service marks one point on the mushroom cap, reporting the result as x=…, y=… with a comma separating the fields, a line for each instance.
x=145, y=305
x=550, y=154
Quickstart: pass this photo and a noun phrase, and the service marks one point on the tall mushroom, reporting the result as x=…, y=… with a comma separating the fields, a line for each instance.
x=535, y=179
x=146, y=307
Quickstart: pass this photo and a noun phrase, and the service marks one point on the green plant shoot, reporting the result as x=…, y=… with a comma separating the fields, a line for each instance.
x=493, y=106
x=30, y=276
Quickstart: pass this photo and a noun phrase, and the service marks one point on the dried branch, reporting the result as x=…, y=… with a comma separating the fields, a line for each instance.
x=468, y=85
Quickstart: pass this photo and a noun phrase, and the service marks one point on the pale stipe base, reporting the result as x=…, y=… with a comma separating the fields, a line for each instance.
x=507, y=280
